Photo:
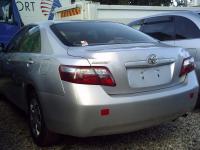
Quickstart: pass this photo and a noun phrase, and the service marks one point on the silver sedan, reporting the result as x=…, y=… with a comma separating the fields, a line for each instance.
x=90, y=78
x=176, y=29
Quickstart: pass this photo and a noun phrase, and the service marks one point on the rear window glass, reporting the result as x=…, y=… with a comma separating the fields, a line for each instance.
x=191, y=32
x=97, y=33
x=161, y=28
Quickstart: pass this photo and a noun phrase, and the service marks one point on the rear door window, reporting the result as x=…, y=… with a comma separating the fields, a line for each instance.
x=31, y=42
x=161, y=28
x=185, y=28
x=15, y=43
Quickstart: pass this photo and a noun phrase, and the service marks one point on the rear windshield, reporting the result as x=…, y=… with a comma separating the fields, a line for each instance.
x=97, y=33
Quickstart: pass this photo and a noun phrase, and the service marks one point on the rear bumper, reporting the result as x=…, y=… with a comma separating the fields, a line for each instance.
x=77, y=113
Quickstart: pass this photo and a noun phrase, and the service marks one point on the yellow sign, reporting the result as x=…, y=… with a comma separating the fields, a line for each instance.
x=70, y=12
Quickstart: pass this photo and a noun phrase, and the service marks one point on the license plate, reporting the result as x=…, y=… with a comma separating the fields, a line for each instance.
x=147, y=77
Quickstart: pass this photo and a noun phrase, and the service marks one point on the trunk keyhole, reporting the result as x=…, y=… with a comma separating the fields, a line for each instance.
x=157, y=71
x=142, y=75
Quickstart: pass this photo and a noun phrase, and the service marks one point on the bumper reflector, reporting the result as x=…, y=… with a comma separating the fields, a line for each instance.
x=105, y=112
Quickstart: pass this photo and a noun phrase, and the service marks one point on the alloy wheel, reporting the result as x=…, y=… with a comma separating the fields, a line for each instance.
x=35, y=117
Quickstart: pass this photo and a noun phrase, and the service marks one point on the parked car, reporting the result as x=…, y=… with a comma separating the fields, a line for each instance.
x=177, y=29
x=91, y=78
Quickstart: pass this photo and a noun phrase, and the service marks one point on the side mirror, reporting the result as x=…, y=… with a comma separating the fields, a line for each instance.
x=2, y=47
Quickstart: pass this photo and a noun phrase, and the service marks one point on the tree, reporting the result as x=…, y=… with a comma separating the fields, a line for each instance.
x=136, y=2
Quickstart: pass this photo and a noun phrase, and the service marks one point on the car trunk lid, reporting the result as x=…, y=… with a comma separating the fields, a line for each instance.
x=136, y=68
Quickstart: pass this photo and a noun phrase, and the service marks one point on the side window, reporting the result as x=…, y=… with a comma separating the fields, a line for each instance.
x=31, y=42
x=137, y=24
x=185, y=29
x=161, y=28
x=13, y=45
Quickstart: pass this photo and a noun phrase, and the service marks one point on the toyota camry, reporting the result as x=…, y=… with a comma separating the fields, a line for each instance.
x=92, y=78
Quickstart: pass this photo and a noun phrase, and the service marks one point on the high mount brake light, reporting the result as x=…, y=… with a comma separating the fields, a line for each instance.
x=97, y=75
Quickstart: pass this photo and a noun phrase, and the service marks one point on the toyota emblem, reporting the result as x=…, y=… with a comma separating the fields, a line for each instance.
x=152, y=59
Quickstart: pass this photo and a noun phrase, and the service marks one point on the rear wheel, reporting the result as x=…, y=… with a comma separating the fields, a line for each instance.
x=40, y=133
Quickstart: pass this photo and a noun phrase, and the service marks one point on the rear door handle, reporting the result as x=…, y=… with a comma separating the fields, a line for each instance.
x=30, y=61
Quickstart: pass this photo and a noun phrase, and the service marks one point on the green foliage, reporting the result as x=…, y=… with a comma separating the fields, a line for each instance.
x=136, y=2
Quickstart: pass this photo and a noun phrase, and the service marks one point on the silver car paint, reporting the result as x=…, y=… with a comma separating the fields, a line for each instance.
x=191, y=45
x=79, y=114
x=74, y=109
x=130, y=56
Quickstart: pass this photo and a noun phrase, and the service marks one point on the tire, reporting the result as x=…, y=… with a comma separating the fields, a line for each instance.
x=39, y=132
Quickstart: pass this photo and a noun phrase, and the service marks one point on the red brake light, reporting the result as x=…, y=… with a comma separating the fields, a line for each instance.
x=86, y=75
x=187, y=66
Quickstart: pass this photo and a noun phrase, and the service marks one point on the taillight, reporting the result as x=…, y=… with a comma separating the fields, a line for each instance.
x=187, y=66
x=87, y=75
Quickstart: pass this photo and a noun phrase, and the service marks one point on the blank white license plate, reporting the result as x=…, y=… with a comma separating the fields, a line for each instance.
x=147, y=77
